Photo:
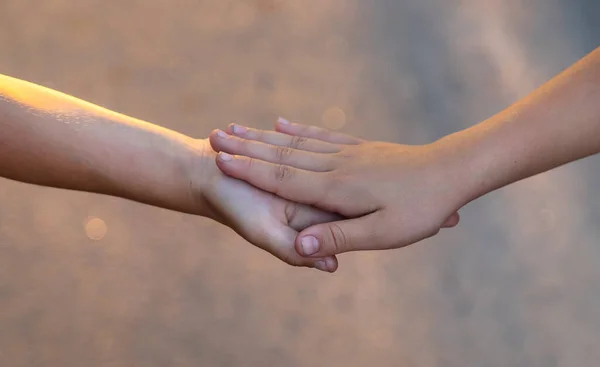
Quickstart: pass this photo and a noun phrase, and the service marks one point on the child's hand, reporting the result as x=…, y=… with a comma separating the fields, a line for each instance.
x=399, y=194
x=263, y=219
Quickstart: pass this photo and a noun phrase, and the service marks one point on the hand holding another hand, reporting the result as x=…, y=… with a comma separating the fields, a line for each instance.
x=397, y=194
x=263, y=219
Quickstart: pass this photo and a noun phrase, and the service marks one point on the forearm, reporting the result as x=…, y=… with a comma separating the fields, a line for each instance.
x=556, y=124
x=51, y=139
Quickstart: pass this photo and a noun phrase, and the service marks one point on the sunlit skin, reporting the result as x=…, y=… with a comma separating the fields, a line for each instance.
x=401, y=194
x=52, y=139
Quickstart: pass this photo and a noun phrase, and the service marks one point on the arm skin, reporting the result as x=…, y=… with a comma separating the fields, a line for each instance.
x=556, y=124
x=400, y=194
x=52, y=139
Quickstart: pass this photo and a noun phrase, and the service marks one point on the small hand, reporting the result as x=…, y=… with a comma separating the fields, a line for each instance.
x=398, y=194
x=265, y=220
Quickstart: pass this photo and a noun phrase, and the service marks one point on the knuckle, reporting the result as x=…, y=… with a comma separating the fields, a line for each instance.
x=339, y=241
x=297, y=142
x=282, y=173
x=282, y=153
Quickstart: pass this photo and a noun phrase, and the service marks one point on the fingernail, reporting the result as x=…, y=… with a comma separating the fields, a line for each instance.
x=225, y=157
x=310, y=245
x=321, y=265
x=221, y=134
x=330, y=264
x=237, y=129
x=283, y=121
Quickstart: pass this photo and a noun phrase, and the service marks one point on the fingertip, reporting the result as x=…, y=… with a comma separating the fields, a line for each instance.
x=298, y=245
x=283, y=121
x=452, y=221
x=225, y=157
x=283, y=126
x=214, y=138
x=230, y=165
x=307, y=245
x=217, y=133
x=238, y=130
x=310, y=244
x=230, y=128
x=328, y=264
x=332, y=264
x=456, y=219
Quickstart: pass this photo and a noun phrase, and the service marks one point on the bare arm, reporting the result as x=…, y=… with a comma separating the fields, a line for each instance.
x=52, y=139
x=556, y=124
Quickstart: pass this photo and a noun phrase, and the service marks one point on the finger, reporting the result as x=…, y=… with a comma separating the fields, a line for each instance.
x=222, y=142
x=280, y=247
x=452, y=221
x=275, y=138
x=375, y=231
x=287, y=182
x=300, y=216
x=314, y=132
x=364, y=233
x=328, y=264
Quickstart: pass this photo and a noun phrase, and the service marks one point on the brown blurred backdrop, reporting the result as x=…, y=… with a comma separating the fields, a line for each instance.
x=87, y=280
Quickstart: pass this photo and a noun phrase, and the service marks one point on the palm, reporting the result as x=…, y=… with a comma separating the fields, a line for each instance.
x=267, y=221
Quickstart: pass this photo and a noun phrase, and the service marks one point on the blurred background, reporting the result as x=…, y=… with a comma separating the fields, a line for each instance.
x=87, y=280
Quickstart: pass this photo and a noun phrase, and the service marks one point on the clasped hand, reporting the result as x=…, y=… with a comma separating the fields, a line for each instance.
x=392, y=195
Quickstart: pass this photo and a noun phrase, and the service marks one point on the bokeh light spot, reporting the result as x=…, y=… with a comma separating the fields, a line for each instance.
x=95, y=228
x=334, y=118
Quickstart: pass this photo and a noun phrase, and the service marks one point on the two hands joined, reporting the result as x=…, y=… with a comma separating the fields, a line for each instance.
x=302, y=193
x=389, y=195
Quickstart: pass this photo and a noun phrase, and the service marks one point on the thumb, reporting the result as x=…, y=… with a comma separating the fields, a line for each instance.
x=364, y=233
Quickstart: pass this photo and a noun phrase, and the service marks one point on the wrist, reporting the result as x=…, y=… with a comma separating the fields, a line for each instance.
x=201, y=174
x=485, y=157
x=170, y=171
x=460, y=157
